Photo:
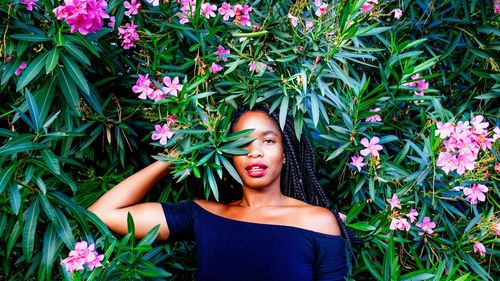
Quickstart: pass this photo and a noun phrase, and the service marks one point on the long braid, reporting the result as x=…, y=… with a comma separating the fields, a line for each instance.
x=298, y=177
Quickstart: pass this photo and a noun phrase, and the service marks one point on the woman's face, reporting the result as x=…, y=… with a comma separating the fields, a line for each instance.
x=261, y=167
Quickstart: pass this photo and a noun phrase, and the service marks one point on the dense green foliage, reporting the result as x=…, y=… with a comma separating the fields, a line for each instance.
x=72, y=126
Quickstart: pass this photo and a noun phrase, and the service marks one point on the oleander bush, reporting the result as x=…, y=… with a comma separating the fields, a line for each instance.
x=399, y=98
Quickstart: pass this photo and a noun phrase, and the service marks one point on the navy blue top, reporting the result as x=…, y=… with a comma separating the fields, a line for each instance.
x=229, y=249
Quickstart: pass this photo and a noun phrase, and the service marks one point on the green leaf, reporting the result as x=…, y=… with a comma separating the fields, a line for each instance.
x=14, y=197
x=63, y=229
x=51, y=160
x=11, y=148
x=76, y=74
x=76, y=53
x=52, y=60
x=212, y=183
x=51, y=246
x=362, y=226
x=30, y=222
x=229, y=167
x=150, y=237
x=283, y=111
x=338, y=151
x=45, y=96
x=131, y=226
x=6, y=175
x=33, y=110
x=69, y=91
x=31, y=71
x=30, y=37
x=13, y=236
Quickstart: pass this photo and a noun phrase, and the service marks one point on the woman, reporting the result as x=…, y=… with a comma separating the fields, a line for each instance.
x=267, y=234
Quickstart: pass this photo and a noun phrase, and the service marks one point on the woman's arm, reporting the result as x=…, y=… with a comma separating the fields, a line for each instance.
x=113, y=207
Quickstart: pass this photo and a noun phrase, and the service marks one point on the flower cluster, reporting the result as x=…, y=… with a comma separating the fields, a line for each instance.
x=463, y=143
x=148, y=90
x=420, y=85
x=163, y=132
x=82, y=255
x=128, y=34
x=496, y=6
x=221, y=54
x=474, y=193
x=399, y=221
x=132, y=7
x=372, y=148
x=84, y=16
x=322, y=8
x=239, y=13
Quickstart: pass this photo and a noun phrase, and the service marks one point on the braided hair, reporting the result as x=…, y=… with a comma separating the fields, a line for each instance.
x=298, y=175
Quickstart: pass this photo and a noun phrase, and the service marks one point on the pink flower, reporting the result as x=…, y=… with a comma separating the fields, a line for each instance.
x=496, y=6
x=157, y=95
x=242, y=14
x=132, y=7
x=111, y=22
x=154, y=2
x=399, y=224
x=475, y=193
x=82, y=255
x=221, y=53
x=260, y=67
x=444, y=130
x=142, y=86
x=20, y=68
x=357, y=162
x=372, y=147
x=215, y=68
x=128, y=34
x=497, y=133
x=321, y=10
x=226, y=11
x=171, y=120
x=397, y=13
x=496, y=228
x=421, y=85
x=208, y=9
x=426, y=225
x=163, y=133
x=366, y=7
x=84, y=16
x=447, y=162
x=317, y=3
x=394, y=201
x=479, y=248
x=412, y=215
x=374, y=118
x=293, y=20
x=478, y=126
x=29, y=4
x=172, y=86
x=309, y=24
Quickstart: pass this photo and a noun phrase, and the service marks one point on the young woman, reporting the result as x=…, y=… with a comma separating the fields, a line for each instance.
x=270, y=233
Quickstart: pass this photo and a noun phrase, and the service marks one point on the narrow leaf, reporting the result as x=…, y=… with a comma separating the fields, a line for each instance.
x=30, y=222
x=76, y=74
x=31, y=71
x=69, y=91
x=52, y=60
x=229, y=167
x=51, y=160
x=14, y=197
x=33, y=110
x=5, y=176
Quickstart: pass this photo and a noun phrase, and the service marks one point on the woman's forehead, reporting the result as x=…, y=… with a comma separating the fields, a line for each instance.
x=258, y=120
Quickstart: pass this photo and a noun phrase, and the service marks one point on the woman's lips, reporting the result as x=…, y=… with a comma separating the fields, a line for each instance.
x=256, y=170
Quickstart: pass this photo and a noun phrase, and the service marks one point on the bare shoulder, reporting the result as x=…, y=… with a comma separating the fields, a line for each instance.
x=211, y=206
x=320, y=219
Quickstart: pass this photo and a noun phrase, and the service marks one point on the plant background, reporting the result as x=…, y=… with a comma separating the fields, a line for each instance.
x=71, y=126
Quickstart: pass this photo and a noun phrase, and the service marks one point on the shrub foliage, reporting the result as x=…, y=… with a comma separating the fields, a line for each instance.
x=399, y=99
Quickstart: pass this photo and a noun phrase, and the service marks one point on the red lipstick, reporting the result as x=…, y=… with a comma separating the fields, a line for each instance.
x=256, y=170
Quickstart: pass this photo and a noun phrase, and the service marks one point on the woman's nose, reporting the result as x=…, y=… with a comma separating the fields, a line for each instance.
x=254, y=151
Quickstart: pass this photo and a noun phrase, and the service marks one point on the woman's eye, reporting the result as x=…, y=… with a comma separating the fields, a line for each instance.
x=269, y=141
